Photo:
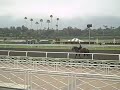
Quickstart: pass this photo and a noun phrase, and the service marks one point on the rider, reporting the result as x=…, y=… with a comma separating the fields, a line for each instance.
x=80, y=46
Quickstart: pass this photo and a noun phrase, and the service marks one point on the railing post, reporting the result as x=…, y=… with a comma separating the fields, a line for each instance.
x=92, y=56
x=8, y=53
x=26, y=53
x=46, y=54
x=68, y=54
x=119, y=57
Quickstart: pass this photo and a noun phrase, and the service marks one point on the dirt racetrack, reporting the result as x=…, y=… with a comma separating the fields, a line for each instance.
x=51, y=82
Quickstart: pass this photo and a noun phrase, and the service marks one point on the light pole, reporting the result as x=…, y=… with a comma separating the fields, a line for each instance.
x=88, y=26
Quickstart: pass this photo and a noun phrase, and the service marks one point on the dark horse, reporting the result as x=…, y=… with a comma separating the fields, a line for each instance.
x=80, y=50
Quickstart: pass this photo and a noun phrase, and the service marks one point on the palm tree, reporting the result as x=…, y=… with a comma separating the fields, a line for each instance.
x=26, y=27
x=41, y=20
x=56, y=27
x=51, y=16
x=112, y=28
x=48, y=21
x=37, y=25
x=25, y=21
x=57, y=23
x=31, y=22
x=106, y=27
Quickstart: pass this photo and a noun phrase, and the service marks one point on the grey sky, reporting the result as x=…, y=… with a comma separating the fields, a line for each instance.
x=75, y=13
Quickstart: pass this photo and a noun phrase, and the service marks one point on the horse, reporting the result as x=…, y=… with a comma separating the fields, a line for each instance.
x=84, y=50
x=80, y=50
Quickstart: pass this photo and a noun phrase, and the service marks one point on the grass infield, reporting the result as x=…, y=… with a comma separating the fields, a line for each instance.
x=91, y=47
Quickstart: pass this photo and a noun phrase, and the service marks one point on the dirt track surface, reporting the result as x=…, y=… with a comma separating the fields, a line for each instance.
x=81, y=83
x=62, y=55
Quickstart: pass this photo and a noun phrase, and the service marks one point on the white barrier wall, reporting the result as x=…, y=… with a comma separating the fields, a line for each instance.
x=66, y=54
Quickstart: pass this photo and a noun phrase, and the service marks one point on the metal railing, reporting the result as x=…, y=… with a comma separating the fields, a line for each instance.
x=69, y=64
x=94, y=80
x=66, y=53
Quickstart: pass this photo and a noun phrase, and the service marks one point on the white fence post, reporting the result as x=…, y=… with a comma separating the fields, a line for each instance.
x=119, y=57
x=26, y=53
x=46, y=54
x=92, y=56
x=68, y=54
x=8, y=53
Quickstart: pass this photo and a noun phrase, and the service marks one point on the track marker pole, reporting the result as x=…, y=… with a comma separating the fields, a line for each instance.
x=68, y=54
x=92, y=56
x=8, y=53
x=46, y=54
x=26, y=53
x=119, y=57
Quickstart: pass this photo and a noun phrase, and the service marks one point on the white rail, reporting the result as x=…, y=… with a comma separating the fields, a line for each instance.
x=67, y=53
x=101, y=76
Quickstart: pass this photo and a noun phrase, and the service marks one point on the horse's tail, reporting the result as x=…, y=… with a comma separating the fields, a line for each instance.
x=73, y=49
x=88, y=52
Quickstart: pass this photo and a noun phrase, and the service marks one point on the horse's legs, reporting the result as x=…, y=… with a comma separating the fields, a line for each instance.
x=75, y=55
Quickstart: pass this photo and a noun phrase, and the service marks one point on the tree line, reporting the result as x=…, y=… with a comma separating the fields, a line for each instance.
x=68, y=32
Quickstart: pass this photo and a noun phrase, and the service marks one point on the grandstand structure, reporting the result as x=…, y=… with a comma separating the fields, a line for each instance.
x=20, y=70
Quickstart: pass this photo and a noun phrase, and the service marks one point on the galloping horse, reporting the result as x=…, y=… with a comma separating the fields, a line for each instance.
x=80, y=50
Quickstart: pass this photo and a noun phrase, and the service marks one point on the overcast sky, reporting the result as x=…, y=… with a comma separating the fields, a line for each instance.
x=75, y=13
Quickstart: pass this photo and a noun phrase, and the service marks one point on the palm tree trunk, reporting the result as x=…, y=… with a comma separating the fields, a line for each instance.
x=41, y=25
x=31, y=24
x=57, y=24
x=51, y=21
x=48, y=26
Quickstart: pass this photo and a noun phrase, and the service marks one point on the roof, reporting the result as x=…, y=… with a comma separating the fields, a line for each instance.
x=75, y=40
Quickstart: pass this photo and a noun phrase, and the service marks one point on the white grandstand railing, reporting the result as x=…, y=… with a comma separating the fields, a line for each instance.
x=72, y=75
x=102, y=67
x=67, y=53
x=88, y=75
